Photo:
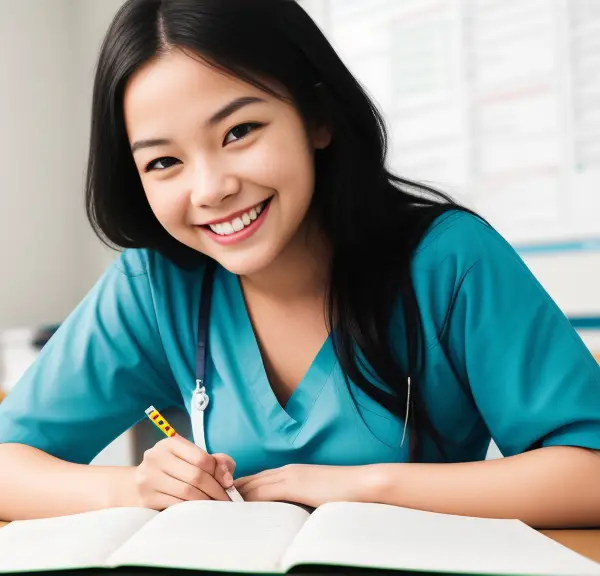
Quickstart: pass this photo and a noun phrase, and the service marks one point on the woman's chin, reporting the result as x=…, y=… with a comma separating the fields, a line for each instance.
x=244, y=264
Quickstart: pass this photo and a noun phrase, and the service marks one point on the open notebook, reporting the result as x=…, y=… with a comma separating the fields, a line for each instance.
x=274, y=537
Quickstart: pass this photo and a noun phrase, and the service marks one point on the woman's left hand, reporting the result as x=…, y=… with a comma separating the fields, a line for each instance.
x=312, y=485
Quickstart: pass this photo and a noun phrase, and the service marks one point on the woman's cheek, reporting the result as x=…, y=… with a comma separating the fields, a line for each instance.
x=168, y=204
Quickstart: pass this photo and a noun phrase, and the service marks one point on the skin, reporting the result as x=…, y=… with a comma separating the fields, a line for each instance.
x=209, y=172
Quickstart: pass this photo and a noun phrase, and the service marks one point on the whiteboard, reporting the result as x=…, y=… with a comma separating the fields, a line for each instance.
x=495, y=101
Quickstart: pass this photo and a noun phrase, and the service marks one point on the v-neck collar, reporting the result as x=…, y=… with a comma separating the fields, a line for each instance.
x=303, y=398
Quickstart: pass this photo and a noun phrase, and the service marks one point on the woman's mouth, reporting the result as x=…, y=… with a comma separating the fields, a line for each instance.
x=240, y=227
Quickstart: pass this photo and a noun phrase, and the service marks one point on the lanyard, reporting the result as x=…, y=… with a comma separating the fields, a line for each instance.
x=200, y=398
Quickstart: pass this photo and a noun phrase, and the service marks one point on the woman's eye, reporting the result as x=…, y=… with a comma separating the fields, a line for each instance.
x=238, y=132
x=161, y=163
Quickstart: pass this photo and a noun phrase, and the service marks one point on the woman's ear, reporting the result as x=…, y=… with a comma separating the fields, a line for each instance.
x=322, y=122
x=321, y=137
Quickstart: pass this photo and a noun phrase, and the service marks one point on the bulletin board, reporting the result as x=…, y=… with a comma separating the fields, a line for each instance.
x=495, y=101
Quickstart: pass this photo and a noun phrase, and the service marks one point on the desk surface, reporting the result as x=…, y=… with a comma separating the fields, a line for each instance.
x=585, y=542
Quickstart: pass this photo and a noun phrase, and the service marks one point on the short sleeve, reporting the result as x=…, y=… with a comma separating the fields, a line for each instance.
x=533, y=380
x=97, y=374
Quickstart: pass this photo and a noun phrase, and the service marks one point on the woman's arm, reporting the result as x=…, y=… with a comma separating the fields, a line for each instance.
x=37, y=485
x=545, y=488
x=172, y=471
x=90, y=383
x=551, y=487
x=529, y=378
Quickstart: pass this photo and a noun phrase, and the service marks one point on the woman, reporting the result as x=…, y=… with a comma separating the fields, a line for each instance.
x=363, y=336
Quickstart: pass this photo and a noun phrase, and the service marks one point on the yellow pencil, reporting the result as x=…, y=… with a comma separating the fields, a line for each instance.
x=161, y=422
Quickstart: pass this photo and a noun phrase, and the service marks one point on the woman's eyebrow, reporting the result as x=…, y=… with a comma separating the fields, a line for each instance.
x=149, y=144
x=232, y=107
x=217, y=117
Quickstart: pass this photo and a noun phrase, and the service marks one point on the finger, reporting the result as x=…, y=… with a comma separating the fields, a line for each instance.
x=241, y=482
x=264, y=474
x=192, y=454
x=170, y=486
x=270, y=491
x=265, y=477
x=227, y=460
x=196, y=477
x=256, y=481
x=224, y=470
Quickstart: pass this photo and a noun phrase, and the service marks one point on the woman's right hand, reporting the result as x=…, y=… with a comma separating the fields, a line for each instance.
x=176, y=470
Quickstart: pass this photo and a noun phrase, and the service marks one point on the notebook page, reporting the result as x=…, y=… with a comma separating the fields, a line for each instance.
x=379, y=536
x=80, y=540
x=212, y=535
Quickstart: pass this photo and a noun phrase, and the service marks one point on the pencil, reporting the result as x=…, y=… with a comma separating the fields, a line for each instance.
x=161, y=422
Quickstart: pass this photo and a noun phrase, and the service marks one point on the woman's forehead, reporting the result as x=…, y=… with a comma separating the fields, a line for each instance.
x=178, y=85
x=180, y=74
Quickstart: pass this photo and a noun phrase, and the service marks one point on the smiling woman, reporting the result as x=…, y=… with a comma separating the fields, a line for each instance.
x=334, y=331
x=203, y=162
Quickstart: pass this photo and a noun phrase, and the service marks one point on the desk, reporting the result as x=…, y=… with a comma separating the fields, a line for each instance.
x=585, y=542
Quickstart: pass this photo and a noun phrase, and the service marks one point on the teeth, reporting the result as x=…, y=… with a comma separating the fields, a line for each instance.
x=239, y=223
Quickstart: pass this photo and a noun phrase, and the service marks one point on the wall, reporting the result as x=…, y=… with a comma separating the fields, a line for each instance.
x=571, y=276
x=39, y=206
x=49, y=256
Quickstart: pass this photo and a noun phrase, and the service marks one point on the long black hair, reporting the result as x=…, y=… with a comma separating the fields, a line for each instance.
x=374, y=220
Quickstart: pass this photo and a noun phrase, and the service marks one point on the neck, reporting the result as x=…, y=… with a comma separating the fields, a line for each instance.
x=301, y=271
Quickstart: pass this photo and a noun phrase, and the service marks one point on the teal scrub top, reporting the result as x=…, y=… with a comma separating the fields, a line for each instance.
x=501, y=361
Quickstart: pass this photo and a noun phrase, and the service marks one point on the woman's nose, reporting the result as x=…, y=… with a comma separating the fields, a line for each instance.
x=212, y=185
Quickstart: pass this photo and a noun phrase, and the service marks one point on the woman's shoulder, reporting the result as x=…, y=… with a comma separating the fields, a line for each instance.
x=459, y=245
x=162, y=291
x=155, y=282
x=458, y=239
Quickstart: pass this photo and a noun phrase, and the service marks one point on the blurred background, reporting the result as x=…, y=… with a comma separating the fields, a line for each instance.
x=495, y=101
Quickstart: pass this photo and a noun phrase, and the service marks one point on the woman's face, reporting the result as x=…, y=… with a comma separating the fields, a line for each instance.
x=227, y=169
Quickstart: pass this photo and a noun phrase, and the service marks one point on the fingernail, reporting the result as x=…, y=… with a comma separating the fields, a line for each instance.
x=227, y=477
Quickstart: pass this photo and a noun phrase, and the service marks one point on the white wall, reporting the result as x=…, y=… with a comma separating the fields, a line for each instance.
x=48, y=256
x=319, y=11
x=38, y=182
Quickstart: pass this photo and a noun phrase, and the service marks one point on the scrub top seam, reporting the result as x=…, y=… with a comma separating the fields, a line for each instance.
x=132, y=275
x=309, y=412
